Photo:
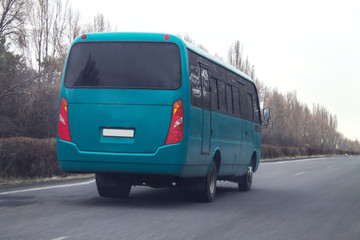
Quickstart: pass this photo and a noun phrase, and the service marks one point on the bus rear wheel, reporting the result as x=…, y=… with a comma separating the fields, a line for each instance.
x=207, y=194
x=246, y=180
x=112, y=186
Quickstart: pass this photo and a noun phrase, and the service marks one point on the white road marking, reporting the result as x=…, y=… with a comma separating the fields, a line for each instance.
x=300, y=173
x=294, y=161
x=50, y=187
x=60, y=238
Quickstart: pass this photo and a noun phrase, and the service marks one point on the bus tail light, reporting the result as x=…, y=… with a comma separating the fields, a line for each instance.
x=176, y=129
x=63, y=121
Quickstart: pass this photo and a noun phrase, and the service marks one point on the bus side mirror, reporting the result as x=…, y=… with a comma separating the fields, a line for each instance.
x=267, y=116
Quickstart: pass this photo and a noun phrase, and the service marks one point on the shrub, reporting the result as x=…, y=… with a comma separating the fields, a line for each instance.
x=290, y=151
x=28, y=157
x=270, y=151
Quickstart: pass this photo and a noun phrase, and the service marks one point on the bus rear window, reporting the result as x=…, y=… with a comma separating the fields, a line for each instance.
x=124, y=65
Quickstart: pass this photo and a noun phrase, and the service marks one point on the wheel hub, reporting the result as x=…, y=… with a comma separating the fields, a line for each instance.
x=250, y=175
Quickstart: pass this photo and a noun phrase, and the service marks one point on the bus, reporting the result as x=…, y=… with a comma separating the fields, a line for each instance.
x=151, y=109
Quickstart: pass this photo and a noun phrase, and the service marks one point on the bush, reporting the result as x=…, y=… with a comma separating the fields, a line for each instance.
x=270, y=151
x=290, y=151
x=28, y=157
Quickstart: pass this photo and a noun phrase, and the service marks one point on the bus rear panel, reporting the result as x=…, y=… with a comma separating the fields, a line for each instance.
x=120, y=94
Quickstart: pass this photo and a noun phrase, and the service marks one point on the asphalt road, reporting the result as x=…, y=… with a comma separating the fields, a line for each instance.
x=307, y=199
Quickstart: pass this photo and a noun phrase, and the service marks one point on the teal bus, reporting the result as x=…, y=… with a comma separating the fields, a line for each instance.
x=151, y=109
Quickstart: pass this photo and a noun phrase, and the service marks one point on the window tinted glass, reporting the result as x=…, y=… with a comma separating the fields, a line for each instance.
x=124, y=65
x=250, y=107
x=236, y=101
x=229, y=100
x=205, y=87
x=222, y=99
x=214, y=94
x=256, y=109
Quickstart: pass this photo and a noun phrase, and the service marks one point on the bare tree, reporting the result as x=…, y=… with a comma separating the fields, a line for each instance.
x=293, y=124
x=73, y=23
x=219, y=57
x=202, y=47
x=100, y=24
x=40, y=28
x=12, y=18
x=49, y=27
x=188, y=39
x=236, y=55
x=59, y=26
x=16, y=89
x=237, y=59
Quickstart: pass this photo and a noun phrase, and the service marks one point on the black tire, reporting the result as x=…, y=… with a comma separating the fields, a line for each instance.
x=112, y=186
x=245, y=181
x=207, y=194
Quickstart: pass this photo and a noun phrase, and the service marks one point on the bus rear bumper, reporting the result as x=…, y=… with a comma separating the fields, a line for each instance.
x=167, y=160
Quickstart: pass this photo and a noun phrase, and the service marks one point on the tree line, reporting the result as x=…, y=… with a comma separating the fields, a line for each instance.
x=293, y=123
x=35, y=36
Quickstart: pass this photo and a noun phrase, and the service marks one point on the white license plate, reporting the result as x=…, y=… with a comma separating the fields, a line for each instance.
x=113, y=132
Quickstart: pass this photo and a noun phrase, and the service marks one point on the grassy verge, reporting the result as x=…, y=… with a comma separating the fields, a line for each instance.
x=9, y=182
x=295, y=158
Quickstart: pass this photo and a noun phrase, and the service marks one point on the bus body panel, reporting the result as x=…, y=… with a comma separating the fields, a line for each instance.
x=148, y=113
x=167, y=160
x=88, y=121
x=232, y=103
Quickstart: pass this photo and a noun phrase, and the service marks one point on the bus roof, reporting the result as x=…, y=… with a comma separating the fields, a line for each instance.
x=216, y=60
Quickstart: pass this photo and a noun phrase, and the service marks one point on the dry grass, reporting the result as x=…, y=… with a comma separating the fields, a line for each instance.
x=5, y=182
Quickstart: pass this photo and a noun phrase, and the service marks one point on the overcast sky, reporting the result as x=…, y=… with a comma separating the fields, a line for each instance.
x=311, y=46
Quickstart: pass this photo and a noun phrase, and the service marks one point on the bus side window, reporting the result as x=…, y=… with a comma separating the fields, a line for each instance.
x=240, y=103
x=229, y=100
x=222, y=98
x=205, y=88
x=250, y=107
x=256, y=109
x=236, y=101
x=214, y=94
x=195, y=86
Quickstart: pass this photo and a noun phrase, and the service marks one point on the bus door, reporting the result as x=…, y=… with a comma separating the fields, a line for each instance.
x=249, y=131
x=245, y=128
x=206, y=109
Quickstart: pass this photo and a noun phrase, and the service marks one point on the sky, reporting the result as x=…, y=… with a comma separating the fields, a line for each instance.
x=309, y=46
